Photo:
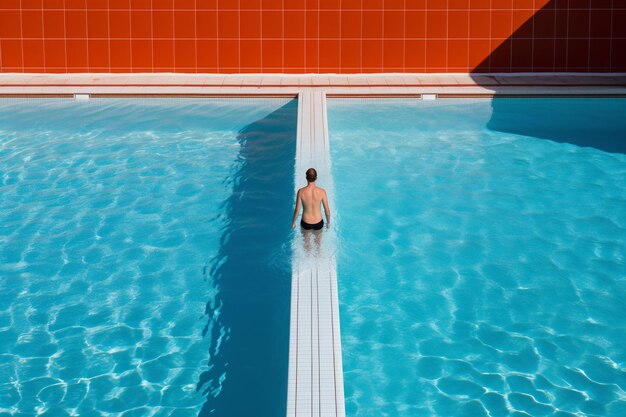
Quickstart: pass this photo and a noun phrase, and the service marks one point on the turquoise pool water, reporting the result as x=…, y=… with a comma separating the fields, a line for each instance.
x=134, y=277
x=481, y=259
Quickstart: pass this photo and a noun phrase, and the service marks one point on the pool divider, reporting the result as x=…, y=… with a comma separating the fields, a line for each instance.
x=315, y=382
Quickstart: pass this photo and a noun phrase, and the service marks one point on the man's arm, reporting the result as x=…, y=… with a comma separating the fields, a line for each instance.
x=326, y=209
x=296, y=211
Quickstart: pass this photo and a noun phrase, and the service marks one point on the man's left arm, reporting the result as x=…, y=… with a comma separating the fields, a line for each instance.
x=326, y=209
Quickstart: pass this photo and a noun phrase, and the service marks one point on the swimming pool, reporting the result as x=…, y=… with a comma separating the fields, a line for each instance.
x=143, y=266
x=145, y=257
x=481, y=255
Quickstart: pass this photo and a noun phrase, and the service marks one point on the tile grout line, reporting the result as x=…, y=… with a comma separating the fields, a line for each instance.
x=297, y=339
x=319, y=388
x=312, y=370
x=332, y=314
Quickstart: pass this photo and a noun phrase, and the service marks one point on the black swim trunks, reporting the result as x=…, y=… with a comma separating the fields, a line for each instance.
x=308, y=226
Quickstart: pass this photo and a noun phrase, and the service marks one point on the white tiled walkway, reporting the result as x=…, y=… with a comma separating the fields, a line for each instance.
x=315, y=385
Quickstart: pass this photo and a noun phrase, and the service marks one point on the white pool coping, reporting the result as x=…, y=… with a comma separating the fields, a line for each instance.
x=387, y=84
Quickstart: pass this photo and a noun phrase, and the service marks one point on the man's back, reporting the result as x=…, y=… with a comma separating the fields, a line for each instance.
x=312, y=198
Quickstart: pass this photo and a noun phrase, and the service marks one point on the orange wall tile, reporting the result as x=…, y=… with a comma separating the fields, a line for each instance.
x=312, y=36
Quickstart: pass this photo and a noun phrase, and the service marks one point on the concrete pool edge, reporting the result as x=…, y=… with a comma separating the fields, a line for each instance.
x=289, y=85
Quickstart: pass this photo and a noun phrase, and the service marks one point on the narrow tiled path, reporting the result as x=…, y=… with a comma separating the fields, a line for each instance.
x=315, y=386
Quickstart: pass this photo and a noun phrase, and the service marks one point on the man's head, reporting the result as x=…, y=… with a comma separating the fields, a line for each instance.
x=311, y=175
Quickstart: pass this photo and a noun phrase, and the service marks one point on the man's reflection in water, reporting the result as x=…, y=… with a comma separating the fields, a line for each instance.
x=316, y=236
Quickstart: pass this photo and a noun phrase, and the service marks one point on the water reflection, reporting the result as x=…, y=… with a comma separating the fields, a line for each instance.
x=248, y=319
x=316, y=237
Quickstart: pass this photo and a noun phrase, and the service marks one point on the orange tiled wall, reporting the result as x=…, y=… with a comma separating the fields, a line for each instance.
x=317, y=36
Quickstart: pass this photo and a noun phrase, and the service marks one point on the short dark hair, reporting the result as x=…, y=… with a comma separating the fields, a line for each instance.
x=311, y=175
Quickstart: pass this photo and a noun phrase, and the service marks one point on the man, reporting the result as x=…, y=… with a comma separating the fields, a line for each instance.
x=311, y=197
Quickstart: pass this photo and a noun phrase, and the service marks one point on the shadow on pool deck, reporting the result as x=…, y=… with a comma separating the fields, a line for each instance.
x=247, y=374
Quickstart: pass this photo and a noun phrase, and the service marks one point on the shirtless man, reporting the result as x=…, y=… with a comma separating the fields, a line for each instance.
x=311, y=197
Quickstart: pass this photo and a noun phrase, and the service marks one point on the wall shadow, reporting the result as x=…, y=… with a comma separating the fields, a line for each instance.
x=561, y=37
x=248, y=319
x=564, y=120
x=558, y=38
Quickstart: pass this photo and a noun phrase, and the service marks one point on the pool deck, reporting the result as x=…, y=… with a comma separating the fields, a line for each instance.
x=315, y=382
x=388, y=84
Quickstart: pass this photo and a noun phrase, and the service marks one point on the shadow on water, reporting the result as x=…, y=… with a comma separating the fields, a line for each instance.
x=248, y=320
x=585, y=122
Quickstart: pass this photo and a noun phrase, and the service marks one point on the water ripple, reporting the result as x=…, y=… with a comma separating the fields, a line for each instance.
x=109, y=211
x=480, y=272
